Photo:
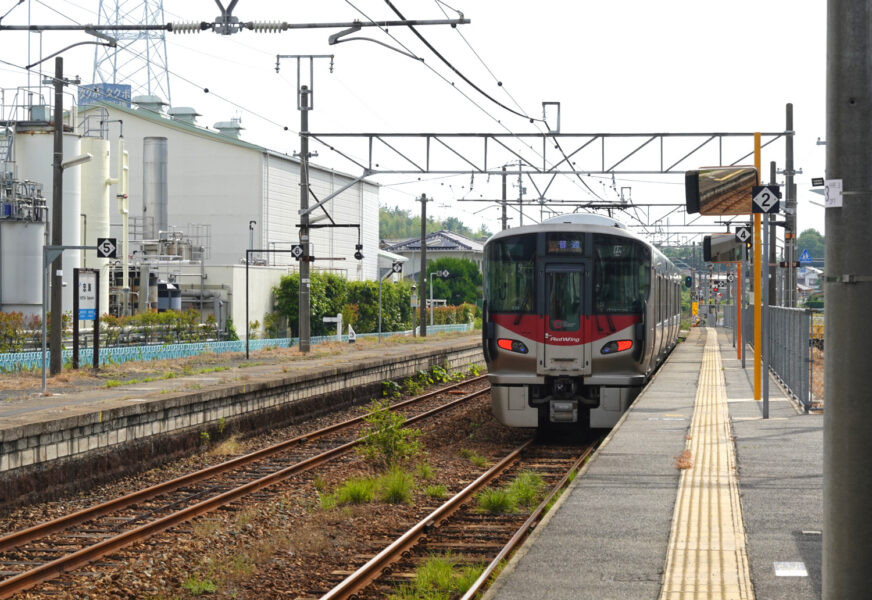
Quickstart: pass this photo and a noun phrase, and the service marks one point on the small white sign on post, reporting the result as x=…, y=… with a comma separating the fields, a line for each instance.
x=833, y=193
x=338, y=320
x=87, y=295
x=352, y=336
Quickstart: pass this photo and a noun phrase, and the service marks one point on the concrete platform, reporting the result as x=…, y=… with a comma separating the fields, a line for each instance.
x=70, y=441
x=609, y=536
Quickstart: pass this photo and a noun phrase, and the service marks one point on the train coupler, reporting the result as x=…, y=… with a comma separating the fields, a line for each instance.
x=563, y=411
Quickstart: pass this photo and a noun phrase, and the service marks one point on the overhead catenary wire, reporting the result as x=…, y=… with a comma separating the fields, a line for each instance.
x=536, y=122
x=453, y=68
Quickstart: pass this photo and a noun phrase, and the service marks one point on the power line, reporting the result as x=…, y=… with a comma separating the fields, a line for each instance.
x=453, y=68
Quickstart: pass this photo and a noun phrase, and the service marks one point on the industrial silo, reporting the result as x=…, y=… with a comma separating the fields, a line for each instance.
x=95, y=208
x=22, y=235
x=34, y=151
x=155, y=190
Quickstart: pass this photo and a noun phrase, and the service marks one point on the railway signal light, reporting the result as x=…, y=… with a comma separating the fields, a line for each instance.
x=688, y=281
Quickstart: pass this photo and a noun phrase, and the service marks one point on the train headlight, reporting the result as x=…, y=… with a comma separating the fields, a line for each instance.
x=617, y=346
x=512, y=345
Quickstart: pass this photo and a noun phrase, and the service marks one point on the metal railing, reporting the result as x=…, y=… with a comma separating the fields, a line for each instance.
x=788, y=343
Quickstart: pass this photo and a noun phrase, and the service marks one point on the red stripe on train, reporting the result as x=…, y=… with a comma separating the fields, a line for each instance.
x=590, y=329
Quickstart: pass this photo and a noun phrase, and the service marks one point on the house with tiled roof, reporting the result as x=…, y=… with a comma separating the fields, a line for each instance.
x=440, y=244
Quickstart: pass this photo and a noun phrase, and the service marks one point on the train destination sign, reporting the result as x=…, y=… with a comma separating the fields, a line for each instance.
x=720, y=190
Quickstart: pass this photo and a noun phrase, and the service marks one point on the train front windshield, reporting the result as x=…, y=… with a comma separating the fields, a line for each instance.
x=510, y=277
x=621, y=275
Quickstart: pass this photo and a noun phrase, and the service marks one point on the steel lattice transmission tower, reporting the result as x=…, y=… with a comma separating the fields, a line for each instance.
x=140, y=59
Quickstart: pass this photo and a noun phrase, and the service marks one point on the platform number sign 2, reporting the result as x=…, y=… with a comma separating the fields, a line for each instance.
x=765, y=199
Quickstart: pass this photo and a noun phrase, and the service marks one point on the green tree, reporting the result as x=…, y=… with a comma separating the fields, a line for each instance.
x=396, y=223
x=815, y=243
x=462, y=285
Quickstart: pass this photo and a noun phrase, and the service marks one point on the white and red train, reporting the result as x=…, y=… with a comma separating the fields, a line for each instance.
x=578, y=313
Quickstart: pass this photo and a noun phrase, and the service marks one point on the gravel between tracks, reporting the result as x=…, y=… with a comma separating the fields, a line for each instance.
x=281, y=543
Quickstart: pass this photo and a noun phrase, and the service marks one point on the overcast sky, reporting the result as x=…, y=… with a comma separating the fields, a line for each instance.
x=615, y=66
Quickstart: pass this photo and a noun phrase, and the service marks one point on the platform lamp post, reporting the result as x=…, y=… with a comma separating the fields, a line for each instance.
x=443, y=274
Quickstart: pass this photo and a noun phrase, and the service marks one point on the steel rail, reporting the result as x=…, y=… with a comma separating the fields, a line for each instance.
x=28, y=579
x=373, y=569
x=13, y=540
x=522, y=531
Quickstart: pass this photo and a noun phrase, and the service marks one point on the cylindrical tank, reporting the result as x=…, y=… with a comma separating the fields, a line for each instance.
x=95, y=206
x=154, y=186
x=21, y=266
x=34, y=152
x=169, y=297
x=175, y=298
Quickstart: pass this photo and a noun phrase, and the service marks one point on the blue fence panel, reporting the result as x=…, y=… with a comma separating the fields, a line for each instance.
x=16, y=361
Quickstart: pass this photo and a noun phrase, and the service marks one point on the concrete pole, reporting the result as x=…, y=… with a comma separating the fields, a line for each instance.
x=505, y=218
x=772, y=242
x=422, y=274
x=520, y=195
x=305, y=309
x=790, y=209
x=57, y=222
x=847, y=551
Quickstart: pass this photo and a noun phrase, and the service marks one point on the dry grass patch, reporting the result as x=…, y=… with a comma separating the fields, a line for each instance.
x=229, y=447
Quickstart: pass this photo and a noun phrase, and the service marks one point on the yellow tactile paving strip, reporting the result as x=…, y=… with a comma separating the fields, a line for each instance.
x=707, y=556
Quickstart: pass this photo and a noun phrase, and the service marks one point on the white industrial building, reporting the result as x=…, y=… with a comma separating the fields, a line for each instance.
x=197, y=199
x=215, y=178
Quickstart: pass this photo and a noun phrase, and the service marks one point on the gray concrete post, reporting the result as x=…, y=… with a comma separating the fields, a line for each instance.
x=847, y=531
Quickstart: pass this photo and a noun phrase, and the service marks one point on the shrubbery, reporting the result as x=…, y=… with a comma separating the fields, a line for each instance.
x=357, y=302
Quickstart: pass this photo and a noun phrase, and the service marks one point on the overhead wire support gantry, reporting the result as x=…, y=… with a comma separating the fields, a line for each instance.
x=592, y=149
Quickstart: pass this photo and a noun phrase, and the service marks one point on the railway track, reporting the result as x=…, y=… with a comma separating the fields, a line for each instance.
x=459, y=529
x=43, y=552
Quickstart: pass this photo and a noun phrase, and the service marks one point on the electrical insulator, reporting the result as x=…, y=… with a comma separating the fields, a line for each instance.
x=186, y=27
x=267, y=26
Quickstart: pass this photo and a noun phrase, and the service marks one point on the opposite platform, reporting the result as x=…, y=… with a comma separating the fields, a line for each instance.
x=71, y=441
x=609, y=537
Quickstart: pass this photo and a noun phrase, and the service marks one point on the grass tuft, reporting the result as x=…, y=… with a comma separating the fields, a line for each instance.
x=436, y=491
x=396, y=486
x=439, y=578
x=496, y=501
x=473, y=457
x=527, y=488
x=355, y=491
x=198, y=586
x=424, y=471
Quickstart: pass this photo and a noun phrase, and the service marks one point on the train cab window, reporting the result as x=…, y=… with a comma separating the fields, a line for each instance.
x=509, y=281
x=564, y=299
x=621, y=277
